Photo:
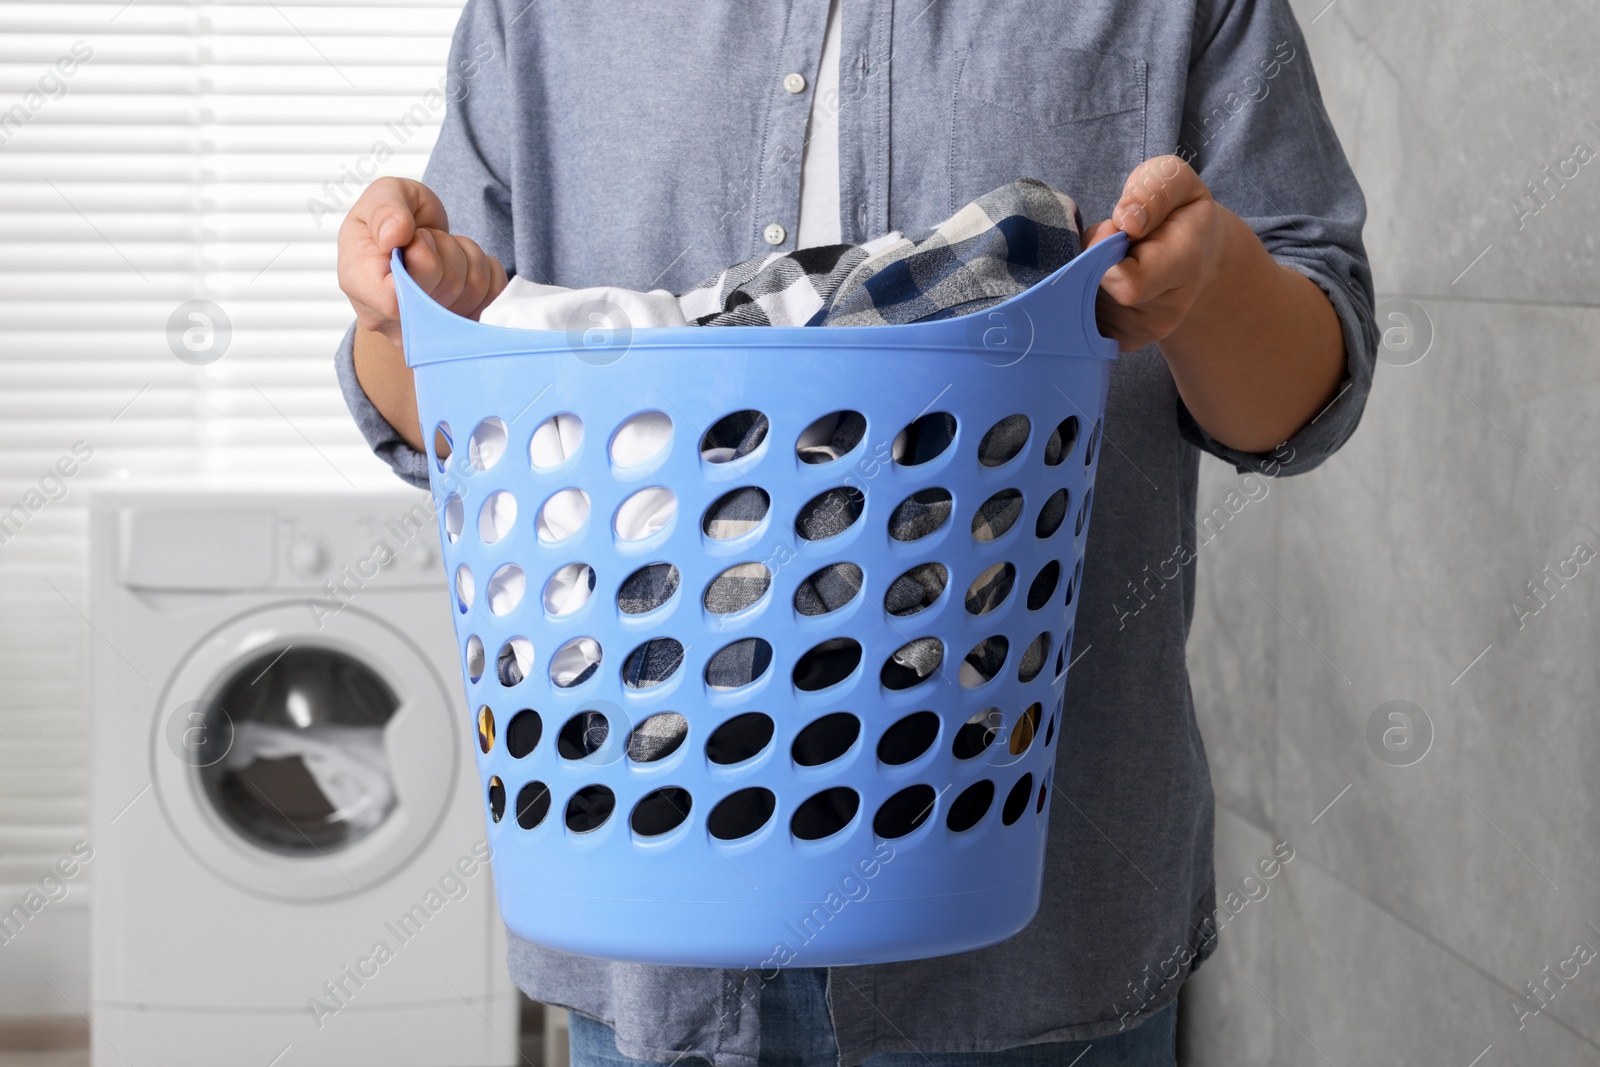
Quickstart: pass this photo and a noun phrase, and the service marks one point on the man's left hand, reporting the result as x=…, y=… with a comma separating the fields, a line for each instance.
x=1178, y=236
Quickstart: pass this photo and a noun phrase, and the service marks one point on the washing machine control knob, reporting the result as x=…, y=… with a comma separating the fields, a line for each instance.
x=420, y=556
x=307, y=557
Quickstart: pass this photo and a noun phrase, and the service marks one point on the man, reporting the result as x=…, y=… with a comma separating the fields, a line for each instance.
x=655, y=146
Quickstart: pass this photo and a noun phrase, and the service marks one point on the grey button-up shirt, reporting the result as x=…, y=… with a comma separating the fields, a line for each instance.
x=652, y=145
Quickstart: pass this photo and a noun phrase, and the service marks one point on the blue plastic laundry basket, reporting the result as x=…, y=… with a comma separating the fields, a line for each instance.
x=868, y=821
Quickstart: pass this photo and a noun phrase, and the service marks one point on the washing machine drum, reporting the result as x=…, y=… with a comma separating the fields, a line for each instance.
x=306, y=762
x=307, y=771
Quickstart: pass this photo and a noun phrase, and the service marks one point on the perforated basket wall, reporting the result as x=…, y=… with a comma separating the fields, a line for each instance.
x=869, y=795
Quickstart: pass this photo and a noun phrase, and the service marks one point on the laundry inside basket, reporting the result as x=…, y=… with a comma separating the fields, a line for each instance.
x=997, y=246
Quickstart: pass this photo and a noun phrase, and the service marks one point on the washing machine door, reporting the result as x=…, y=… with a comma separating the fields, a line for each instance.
x=304, y=760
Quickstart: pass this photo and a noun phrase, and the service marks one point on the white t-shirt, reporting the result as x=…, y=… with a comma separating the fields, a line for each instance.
x=819, y=165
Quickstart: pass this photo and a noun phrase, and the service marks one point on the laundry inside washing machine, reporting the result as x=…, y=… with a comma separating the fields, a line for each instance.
x=306, y=771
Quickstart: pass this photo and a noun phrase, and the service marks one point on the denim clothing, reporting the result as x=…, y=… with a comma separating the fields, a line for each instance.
x=796, y=1031
x=651, y=145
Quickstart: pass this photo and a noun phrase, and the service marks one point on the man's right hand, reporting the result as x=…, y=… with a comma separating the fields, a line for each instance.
x=399, y=213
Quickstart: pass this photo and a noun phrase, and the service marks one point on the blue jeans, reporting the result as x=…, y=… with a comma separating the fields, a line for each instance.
x=796, y=1031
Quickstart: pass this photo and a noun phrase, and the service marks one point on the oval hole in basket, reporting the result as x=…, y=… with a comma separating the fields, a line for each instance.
x=523, y=733
x=645, y=513
x=1083, y=512
x=648, y=588
x=568, y=589
x=1034, y=658
x=1044, y=586
x=1017, y=799
x=583, y=735
x=996, y=516
x=556, y=440
x=443, y=445
x=575, y=662
x=455, y=517
x=916, y=590
x=1050, y=516
x=589, y=808
x=984, y=661
x=640, y=439
x=735, y=513
x=474, y=658
x=1093, y=443
x=505, y=589
x=657, y=737
x=734, y=436
x=562, y=515
x=1062, y=438
x=497, y=516
x=739, y=587
x=741, y=814
x=739, y=664
x=1004, y=440
x=829, y=513
x=661, y=811
x=497, y=798
x=485, y=729
x=825, y=813
x=924, y=439
x=971, y=806
x=825, y=739
x=828, y=589
x=652, y=663
x=487, y=444
x=908, y=738
x=920, y=514
x=990, y=588
x=466, y=589
x=740, y=738
x=533, y=804
x=904, y=812
x=831, y=437
x=912, y=663
x=1026, y=727
x=827, y=664
x=977, y=733
x=514, y=660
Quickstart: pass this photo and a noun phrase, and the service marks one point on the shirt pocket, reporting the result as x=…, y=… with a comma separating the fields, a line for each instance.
x=1066, y=116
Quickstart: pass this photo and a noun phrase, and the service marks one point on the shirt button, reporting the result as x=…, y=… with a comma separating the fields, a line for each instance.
x=774, y=234
x=795, y=83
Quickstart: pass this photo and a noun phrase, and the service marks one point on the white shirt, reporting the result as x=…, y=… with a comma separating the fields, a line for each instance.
x=819, y=165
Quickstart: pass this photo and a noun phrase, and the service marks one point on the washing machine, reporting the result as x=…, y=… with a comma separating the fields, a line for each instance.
x=290, y=865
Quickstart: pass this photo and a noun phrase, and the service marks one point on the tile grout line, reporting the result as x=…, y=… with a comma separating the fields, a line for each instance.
x=1272, y=831
x=1453, y=298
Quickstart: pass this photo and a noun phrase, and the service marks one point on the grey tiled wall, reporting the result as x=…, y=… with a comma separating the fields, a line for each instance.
x=1422, y=901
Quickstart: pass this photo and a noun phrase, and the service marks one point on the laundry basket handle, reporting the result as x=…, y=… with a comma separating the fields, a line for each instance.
x=1063, y=304
x=432, y=333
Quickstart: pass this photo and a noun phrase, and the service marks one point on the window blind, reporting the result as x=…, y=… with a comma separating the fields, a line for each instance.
x=153, y=154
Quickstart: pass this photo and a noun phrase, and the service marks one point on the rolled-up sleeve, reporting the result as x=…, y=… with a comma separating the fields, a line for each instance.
x=1256, y=132
x=470, y=174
